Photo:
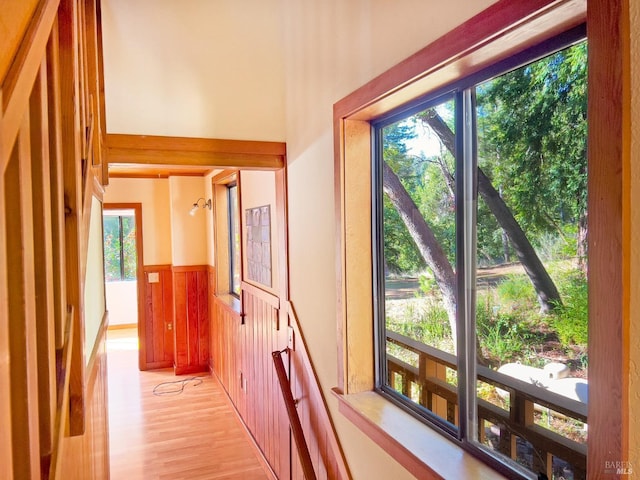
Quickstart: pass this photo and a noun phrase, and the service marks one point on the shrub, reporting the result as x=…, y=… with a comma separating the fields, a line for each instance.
x=570, y=320
x=517, y=290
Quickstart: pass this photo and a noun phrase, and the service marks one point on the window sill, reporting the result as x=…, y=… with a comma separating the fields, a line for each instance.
x=421, y=450
x=230, y=302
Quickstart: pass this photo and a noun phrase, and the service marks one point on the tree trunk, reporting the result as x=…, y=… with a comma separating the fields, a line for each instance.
x=548, y=296
x=426, y=242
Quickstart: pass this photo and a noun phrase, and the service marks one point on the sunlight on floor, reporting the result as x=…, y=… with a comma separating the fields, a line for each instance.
x=122, y=339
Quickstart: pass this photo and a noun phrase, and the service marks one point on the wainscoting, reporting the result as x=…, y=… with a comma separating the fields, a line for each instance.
x=156, y=327
x=191, y=320
x=87, y=455
x=241, y=348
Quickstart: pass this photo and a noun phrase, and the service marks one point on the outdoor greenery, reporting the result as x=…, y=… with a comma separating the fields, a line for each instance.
x=532, y=151
x=120, y=261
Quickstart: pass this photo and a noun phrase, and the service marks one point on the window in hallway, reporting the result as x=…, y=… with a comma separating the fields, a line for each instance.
x=480, y=208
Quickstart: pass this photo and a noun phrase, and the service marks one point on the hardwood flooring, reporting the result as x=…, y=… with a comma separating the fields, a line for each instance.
x=192, y=435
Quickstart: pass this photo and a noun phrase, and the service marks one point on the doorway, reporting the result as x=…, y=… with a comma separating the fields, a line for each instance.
x=122, y=236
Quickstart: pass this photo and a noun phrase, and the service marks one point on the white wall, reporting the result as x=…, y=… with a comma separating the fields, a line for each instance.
x=333, y=47
x=94, y=293
x=258, y=188
x=188, y=233
x=153, y=194
x=202, y=68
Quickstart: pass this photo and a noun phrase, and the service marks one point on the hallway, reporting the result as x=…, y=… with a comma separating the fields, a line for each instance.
x=189, y=435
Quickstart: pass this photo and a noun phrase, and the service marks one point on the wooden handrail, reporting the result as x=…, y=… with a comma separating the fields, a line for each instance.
x=294, y=419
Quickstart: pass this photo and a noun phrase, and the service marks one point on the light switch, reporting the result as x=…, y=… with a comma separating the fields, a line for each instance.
x=154, y=277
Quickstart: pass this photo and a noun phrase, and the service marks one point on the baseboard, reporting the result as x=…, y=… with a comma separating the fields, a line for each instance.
x=123, y=326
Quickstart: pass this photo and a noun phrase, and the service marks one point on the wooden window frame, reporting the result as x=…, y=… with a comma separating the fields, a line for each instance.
x=501, y=31
x=220, y=188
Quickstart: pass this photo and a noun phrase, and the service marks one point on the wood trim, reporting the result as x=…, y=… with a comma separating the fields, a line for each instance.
x=224, y=177
x=157, y=268
x=282, y=223
x=140, y=271
x=609, y=133
x=123, y=326
x=63, y=360
x=418, y=448
x=161, y=150
x=16, y=86
x=502, y=30
x=189, y=268
x=43, y=257
x=57, y=184
x=263, y=295
x=96, y=351
x=74, y=256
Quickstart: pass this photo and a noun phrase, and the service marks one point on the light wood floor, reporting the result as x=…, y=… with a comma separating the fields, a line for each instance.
x=193, y=435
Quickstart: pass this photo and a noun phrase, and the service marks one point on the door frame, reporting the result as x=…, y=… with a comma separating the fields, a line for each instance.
x=137, y=208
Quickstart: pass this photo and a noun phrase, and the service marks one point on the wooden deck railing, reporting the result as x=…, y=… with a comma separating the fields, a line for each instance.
x=513, y=428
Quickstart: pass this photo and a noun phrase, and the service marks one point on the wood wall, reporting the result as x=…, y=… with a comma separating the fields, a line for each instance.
x=191, y=319
x=87, y=456
x=241, y=348
x=156, y=326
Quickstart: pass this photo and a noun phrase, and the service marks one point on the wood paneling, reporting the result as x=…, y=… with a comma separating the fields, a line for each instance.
x=191, y=319
x=86, y=456
x=327, y=455
x=156, y=322
x=241, y=348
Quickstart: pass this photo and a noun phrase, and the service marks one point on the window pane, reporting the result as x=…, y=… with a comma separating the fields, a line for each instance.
x=111, y=227
x=129, y=248
x=531, y=310
x=234, y=240
x=418, y=213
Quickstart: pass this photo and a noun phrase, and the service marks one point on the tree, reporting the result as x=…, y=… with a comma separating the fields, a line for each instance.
x=425, y=240
x=533, y=124
x=548, y=295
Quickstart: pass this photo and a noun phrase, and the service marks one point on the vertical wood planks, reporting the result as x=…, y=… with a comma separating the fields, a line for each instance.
x=157, y=321
x=191, y=324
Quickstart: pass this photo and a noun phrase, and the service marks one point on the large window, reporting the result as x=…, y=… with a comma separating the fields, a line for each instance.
x=480, y=271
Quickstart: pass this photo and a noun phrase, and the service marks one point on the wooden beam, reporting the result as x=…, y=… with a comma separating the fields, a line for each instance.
x=158, y=150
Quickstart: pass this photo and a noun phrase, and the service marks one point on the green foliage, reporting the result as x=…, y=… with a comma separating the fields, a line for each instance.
x=570, y=320
x=427, y=323
x=532, y=139
x=517, y=290
x=503, y=337
x=117, y=255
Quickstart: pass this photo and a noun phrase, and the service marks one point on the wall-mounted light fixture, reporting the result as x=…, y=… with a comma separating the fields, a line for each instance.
x=197, y=205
